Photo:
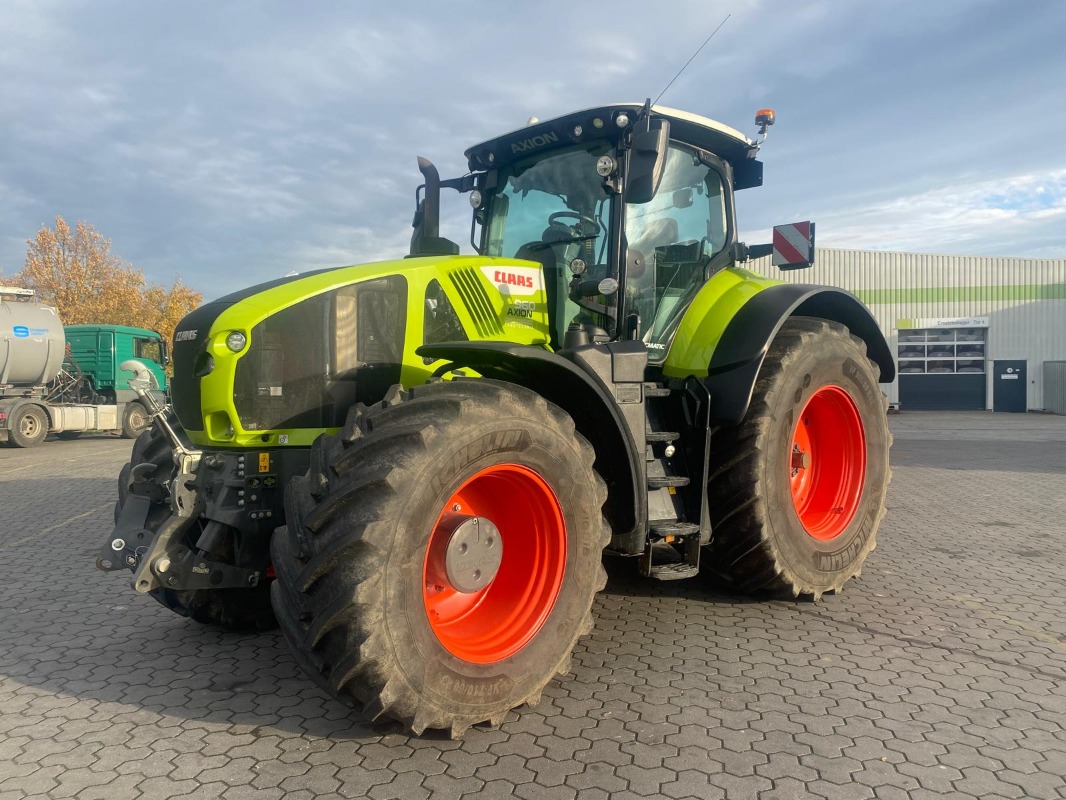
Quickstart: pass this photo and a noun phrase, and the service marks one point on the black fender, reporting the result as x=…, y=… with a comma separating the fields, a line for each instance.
x=739, y=354
x=592, y=406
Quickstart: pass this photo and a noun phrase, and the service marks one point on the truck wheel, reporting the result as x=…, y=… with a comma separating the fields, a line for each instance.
x=134, y=420
x=238, y=610
x=442, y=554
x=29, y=427
x=797, y=490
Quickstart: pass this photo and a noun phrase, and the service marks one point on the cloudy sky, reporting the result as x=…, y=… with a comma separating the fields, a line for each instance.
x=229, y=143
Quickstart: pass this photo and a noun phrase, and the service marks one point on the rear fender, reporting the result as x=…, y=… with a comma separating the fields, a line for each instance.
x=738, y=356
x=595, y=413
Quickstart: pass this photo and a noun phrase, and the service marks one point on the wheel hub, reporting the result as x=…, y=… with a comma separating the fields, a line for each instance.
x=473, y=554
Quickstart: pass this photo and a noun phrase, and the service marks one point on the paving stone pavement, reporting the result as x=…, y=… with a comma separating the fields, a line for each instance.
x=941, y=672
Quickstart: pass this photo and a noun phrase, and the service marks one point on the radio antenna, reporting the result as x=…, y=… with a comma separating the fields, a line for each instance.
x=678, y=75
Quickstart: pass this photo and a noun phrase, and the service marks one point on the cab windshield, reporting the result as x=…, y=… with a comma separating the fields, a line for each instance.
x=553, y=210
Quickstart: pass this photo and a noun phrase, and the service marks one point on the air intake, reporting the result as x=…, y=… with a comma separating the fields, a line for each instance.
x=477, y=302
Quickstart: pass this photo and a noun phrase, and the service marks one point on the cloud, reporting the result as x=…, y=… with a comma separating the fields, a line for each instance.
x=231, y=143
x=1018, y=215
x=985, y=217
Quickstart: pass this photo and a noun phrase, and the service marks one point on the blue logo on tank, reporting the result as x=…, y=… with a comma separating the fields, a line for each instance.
x=21, y=331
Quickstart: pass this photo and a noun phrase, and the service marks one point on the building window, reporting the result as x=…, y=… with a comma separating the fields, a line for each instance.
x=941, y=351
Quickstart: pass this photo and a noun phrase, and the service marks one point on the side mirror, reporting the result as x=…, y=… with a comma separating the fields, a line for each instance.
x=793, y=246
x=647, y=159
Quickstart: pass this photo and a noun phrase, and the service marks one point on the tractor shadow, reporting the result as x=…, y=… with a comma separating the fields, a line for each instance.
x=91, y=638
x=624, y=580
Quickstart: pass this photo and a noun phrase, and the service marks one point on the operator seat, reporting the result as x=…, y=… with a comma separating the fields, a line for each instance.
x=659, y=233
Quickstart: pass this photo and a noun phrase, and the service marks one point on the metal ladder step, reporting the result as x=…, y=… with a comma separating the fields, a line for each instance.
x=673, y=572
x=655, y=390
x=661, y=436
x=662, y=562
x=671, y=527
x=666, y=481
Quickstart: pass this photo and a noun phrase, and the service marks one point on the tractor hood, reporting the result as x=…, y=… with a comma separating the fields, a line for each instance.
x=280, y=362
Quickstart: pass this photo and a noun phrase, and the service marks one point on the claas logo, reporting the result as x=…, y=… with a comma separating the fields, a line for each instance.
x=513, y=280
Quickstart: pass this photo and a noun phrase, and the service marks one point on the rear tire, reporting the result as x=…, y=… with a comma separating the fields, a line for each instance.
x=797, y=490
x=361, y=595
x=134, y=420
x=29, y=427
x=237, y=610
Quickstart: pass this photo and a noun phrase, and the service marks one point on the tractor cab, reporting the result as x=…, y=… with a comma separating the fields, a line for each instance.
x=627, y=208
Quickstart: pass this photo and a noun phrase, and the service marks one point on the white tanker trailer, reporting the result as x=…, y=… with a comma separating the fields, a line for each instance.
x=44, y=390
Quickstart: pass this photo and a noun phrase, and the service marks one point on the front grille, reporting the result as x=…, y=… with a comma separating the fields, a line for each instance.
x=189, y=349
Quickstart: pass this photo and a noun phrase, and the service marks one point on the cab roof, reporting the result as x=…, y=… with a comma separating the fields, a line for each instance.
x=702, y=132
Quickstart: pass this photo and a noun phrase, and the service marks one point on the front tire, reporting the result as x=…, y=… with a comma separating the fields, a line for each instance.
x=797, y=490
x=372, y=593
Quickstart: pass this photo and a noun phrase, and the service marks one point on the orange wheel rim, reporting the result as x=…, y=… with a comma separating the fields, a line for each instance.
x=827, y=463
x=493, y=623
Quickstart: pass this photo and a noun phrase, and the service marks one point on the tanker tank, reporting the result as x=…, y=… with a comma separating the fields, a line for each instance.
x=32, y=344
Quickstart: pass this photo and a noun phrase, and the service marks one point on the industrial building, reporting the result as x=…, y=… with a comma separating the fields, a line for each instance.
x=968, y=332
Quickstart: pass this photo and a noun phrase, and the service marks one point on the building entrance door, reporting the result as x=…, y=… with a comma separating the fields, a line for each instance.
x=1009, y=386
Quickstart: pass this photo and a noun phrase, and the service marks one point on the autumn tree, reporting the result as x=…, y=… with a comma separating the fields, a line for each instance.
x=75, y=271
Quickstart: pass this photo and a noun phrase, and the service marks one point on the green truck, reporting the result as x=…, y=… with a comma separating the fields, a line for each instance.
x=98, y=350
x=68, y=380
x=415, y=467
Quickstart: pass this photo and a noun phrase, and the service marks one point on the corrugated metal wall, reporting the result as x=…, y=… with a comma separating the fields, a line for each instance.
x=1024, y=298
x=1055, y=386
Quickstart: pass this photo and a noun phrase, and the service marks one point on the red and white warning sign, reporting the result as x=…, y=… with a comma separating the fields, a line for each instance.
x=793, y=244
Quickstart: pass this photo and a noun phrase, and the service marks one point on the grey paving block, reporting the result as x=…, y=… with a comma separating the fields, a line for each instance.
x=941, y=672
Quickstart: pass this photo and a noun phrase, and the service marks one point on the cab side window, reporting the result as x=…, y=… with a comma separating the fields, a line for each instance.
x=150, y=349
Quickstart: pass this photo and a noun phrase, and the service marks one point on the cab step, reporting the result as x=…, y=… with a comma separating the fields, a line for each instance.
x=663, y=562
x=673, y=572
x=661, y=528
x=666, y=481
x=656, y=390
x=661, y=436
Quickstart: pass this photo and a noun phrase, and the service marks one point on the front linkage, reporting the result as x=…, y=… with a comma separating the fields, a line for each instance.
x=162, y=559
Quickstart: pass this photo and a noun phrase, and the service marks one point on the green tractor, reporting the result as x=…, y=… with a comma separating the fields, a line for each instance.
x=415, y=467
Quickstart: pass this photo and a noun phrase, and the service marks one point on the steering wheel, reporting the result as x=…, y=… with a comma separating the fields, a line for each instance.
x=575, y=215
x=559, y=232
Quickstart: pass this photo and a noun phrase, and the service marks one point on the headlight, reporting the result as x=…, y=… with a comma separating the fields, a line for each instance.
x=236, y=341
